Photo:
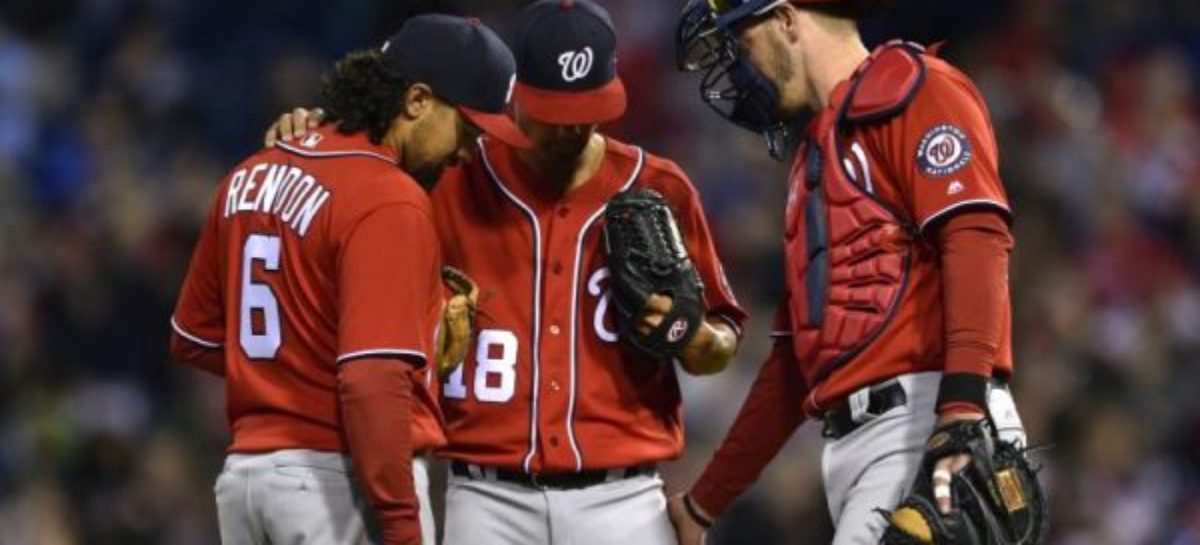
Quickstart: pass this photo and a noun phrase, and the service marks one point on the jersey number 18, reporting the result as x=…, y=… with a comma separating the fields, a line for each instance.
x=495, y=369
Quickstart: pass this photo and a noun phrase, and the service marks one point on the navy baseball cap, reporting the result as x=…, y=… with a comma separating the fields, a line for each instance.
x=465, y=63
x=567, y=63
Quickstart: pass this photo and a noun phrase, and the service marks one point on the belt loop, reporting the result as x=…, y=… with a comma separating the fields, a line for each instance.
x=827, y=430
x=860, y=405
x=474, y=471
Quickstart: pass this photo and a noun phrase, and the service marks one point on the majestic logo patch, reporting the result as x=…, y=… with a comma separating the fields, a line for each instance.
x=943, y=150
x=575, y=64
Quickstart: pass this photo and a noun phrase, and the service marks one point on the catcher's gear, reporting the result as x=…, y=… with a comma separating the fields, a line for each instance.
x=732, y=86
x=706, y=41
x=996, y=499
x=646, y=256
x=458, y=320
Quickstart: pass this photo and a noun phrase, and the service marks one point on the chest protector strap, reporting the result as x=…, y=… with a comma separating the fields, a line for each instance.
x=885, y=84
x=858, y=247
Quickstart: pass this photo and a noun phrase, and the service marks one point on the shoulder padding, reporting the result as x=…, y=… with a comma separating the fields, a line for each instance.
x=885, y=84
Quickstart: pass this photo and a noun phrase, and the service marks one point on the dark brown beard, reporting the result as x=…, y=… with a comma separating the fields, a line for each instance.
x=428, y=177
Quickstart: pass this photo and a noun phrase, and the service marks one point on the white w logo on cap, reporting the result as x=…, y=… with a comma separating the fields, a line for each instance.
x=575, y=64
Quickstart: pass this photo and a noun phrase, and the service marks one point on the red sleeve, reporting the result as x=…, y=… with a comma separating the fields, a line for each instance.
x=203, y=358
x=376, y=404
x=945, y=152
x=718, y=295
x=975, y=249
x=198, y=323
x=389, y=280
x=769, y=416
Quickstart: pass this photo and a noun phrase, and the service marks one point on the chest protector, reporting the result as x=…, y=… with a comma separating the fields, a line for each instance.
x=848, y=251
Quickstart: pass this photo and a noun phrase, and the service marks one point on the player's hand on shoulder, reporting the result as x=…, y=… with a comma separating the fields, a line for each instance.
x=687, y=530
x=293, y=124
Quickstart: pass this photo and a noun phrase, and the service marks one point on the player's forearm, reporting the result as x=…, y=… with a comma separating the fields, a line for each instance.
x=711, y=350
x=771, y=413
x=204, y=358
x=974, y=248
x=376, y=398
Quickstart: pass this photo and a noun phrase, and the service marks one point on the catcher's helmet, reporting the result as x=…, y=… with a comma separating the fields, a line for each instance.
x=734, y=88
x=705, y=40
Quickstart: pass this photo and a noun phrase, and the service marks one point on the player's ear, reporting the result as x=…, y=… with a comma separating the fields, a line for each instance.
x=788, y=19
x=418, y=101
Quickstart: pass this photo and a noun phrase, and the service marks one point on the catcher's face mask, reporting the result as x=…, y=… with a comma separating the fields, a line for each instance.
x=706, y=41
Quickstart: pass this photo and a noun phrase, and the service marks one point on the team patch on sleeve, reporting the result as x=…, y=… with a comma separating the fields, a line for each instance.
x=943, y=150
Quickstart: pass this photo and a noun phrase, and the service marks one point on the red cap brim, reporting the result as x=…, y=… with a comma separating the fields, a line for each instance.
x=600, y=105
x=498, y=126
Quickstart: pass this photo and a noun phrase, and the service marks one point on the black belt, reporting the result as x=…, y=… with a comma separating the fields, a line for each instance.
x=839, y=422
x=558, y=481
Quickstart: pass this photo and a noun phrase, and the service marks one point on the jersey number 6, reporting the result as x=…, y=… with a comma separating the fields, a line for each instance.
x=495, y=369
x=257, y=296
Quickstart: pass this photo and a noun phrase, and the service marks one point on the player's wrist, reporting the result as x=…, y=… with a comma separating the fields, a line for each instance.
x=959, y=411
x=710, y=350
x=697, y=513
x=959, y=390
x=701, y=342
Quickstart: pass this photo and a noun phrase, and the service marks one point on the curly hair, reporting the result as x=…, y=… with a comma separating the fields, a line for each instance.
x=363, y=94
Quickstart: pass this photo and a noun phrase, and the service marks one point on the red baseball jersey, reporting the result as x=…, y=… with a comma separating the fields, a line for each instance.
x=936, y=157
x=547, y=387
x=314, y=254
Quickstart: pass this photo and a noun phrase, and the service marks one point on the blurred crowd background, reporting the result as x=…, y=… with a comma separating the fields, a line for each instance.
x=119, y=117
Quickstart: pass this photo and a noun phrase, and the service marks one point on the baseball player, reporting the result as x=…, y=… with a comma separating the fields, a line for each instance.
x=315, y=291
x=554, y=422
x=896, y=320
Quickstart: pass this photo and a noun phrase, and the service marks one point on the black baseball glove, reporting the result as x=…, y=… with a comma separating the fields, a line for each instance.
x=646, y=256
x=996, y=499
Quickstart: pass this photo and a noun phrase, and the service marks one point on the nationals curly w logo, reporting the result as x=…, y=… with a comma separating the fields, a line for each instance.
x=575, y=64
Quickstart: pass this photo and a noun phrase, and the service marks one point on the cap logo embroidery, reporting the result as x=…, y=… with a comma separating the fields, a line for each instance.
x=575, y=64
x=512, y=82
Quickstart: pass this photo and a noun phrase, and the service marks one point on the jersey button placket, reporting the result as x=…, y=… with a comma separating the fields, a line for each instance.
x=562, y=237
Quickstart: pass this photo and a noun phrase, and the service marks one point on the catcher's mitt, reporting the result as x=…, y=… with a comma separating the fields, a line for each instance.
x=996, y=499
x=646, y=256
x=458, y=319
